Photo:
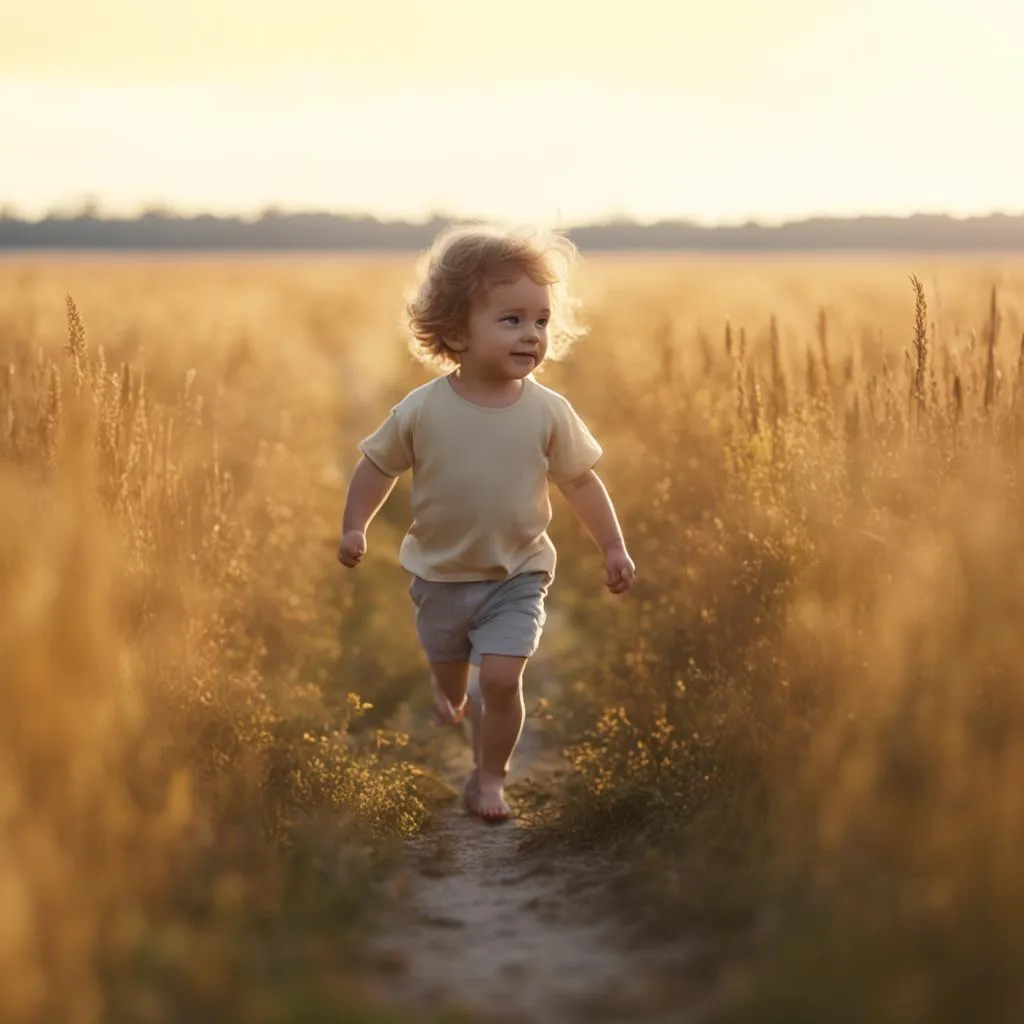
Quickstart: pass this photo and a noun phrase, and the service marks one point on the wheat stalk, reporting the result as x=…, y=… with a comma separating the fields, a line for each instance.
x=53, y=415
x=920, y=357
x=77, y=347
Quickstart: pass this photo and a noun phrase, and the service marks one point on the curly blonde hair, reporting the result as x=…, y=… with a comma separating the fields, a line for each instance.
x=464, y=262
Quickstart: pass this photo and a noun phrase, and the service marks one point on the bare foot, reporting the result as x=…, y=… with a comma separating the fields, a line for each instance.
x=443, y=710
x=485, y=797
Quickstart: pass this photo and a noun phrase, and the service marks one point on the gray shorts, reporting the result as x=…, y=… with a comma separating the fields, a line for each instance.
x=463, y=621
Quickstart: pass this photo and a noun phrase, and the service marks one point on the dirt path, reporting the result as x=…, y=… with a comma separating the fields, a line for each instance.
x=505, y=934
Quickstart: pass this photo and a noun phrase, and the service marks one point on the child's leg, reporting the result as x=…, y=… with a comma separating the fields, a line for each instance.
x=450, y=679
x=442, y=625
x=504, y=632
x=501, y=686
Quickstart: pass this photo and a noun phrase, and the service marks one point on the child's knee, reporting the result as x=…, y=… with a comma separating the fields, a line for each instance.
x=500, y=685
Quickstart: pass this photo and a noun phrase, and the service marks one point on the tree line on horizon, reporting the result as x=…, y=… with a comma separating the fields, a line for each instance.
x=276, y=231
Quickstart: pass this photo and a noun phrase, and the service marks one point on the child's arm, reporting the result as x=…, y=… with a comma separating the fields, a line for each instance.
x=367, y=491
x=590, y=501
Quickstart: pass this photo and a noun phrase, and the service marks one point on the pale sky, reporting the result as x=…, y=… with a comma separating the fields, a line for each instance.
x=547, y=110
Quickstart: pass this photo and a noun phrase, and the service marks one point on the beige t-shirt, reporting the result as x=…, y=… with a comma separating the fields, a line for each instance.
x=480, y=499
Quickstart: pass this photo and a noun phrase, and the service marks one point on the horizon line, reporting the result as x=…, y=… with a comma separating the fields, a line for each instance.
x=157, y=211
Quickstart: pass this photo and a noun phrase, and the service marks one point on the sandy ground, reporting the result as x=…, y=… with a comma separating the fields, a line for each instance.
x=507, y=934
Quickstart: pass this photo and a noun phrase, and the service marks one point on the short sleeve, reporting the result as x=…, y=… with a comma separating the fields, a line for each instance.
x=390, y=448
x=572, y=449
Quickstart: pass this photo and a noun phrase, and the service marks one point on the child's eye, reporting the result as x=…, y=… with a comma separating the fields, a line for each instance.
x=510, y=319
x=542, y=322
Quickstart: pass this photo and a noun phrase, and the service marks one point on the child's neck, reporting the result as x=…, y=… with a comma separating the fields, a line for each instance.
x=486, y=390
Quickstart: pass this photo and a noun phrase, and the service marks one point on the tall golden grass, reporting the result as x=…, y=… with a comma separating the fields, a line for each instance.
x=803, y=732
x=193, y=798
x=806, y=735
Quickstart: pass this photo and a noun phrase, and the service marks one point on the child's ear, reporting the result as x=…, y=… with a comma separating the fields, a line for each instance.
x=456, y=344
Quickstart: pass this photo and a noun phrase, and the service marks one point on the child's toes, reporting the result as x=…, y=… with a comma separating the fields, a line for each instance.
x=495, y=811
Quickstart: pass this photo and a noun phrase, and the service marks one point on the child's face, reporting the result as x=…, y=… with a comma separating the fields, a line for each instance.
x=507, y=337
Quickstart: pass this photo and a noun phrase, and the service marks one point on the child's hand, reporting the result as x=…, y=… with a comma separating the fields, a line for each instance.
x=352, y=548
x=620, y=572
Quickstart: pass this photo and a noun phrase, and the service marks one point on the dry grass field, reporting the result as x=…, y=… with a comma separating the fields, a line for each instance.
x=803, y=732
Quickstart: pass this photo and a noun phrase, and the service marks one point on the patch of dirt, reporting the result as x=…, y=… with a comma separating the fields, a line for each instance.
x=506, y=934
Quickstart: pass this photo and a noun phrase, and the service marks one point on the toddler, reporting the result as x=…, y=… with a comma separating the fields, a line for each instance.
x=482, y=440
